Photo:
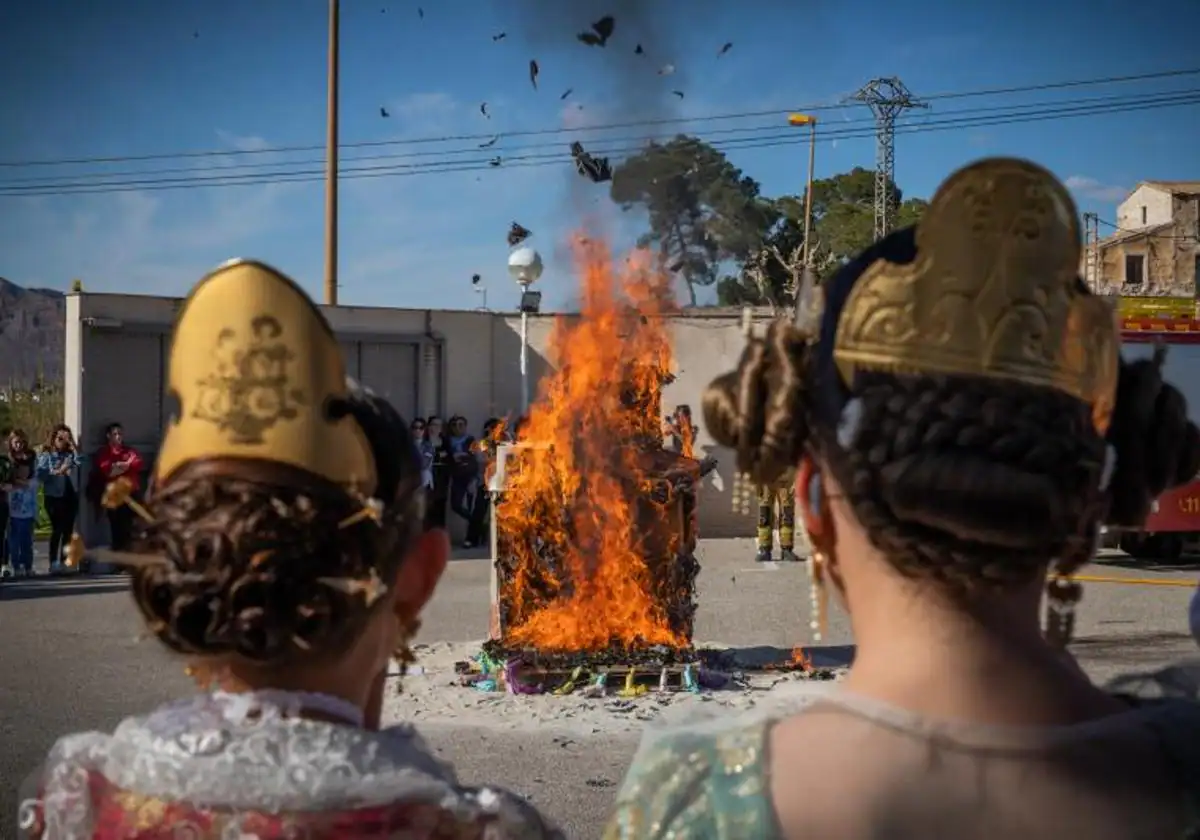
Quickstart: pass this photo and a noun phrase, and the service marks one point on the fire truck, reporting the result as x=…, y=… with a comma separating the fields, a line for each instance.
x=1173, y=528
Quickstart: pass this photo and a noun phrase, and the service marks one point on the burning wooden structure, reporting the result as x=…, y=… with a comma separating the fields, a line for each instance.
x=594, y=521
x=552, y=551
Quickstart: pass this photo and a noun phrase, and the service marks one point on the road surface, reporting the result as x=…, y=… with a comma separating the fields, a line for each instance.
x=71, y=659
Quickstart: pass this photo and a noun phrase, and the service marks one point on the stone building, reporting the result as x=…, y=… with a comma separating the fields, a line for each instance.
x=1155, y=250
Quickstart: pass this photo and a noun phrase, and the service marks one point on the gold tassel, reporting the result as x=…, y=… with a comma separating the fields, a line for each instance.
x=120, y=492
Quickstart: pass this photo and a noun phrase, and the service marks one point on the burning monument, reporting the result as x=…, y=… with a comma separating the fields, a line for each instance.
x=594, y=520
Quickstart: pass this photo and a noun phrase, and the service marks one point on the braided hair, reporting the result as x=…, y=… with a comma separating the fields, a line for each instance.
x=968, y=481
x=248, y=543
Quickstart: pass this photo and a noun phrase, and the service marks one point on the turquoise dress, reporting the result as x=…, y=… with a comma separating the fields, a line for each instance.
x=710, y=781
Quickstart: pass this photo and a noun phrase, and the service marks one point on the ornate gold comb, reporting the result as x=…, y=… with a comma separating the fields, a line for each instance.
x=254, y=365
x=993, y=292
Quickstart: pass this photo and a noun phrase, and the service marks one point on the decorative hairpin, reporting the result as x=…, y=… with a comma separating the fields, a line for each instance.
x=120, y=492
x=372, y=509
x=372, y=589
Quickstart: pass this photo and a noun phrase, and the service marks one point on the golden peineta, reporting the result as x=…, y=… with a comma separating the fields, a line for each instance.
x=993, y=293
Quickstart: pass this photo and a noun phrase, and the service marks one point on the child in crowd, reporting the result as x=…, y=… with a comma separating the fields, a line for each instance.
x=22, y=504
x=6, y=569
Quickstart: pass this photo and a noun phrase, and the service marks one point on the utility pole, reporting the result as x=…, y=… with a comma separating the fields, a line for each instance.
x=331, y=163
x=887, y=98
x=1091, y=244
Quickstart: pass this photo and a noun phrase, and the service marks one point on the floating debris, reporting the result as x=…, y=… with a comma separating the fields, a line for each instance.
x=602, y=30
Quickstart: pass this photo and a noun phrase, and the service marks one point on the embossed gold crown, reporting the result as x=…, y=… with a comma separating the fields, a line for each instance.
x=254, y=366
x=993, y=292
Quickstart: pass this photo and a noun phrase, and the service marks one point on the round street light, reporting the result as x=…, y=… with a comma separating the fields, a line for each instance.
x=525, y=266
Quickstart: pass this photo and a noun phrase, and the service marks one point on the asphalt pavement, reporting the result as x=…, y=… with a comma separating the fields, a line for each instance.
x=71, y=660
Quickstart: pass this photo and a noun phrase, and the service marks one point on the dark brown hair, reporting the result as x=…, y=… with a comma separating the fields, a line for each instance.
x=247, y=545
x=61, y=427
x=972, y=482
x=26, y=454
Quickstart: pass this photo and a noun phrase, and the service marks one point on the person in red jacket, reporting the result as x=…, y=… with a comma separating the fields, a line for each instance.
x=116, y=460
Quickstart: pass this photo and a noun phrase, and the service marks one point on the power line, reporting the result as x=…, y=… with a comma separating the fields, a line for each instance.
x=1167, y=236
x=839, y=132
x=948, y=95
x=1047, y=112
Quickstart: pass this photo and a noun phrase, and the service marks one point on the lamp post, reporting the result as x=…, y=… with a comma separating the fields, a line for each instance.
x=480, y=288
x=525, y=266
x=803, y=304
x=810, y=121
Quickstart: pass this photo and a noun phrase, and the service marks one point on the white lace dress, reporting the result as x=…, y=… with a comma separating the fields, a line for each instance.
x=236, y=766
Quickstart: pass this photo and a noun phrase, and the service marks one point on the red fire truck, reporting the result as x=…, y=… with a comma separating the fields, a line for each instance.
x=1173, y=527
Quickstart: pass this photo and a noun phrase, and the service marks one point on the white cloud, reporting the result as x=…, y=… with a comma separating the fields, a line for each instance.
x=1090, y=188
x=242, y=143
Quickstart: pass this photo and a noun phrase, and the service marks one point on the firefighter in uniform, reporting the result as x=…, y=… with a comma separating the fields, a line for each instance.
x=781, y=495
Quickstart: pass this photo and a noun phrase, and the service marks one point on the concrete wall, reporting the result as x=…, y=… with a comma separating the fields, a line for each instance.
x=1156, y=201
x=425, y=361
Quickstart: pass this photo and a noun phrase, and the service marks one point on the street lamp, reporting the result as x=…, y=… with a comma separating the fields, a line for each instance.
x=480, y=288
x=525, y=266
x=810, y=121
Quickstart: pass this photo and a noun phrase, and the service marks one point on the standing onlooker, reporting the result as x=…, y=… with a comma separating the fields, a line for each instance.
x=681, y=431
x=115, y=460
x=463, y=467
x=485, y=453
x=55, y=464
x=435, y=513
x=22, y=503
x=6, y=569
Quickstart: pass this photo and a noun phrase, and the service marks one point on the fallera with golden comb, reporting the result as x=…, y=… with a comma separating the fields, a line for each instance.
x=283, y=556
x=961, y=424
x=253, y=366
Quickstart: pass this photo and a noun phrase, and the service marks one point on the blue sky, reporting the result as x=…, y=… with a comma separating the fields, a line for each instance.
x=134, y=77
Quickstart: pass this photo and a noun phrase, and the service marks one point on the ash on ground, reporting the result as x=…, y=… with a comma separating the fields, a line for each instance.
x=433, y=694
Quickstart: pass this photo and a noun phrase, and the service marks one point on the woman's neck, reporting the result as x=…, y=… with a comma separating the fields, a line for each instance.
x=987, y=666
x=348, y=700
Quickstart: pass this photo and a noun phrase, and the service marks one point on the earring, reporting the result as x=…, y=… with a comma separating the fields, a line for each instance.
x=403, y=655
x=740, y=493
x=1063, y=595
x=818, y=594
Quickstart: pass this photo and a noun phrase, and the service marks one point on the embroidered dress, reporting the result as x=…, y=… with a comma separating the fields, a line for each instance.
x=1132, y=775
x=241, y=766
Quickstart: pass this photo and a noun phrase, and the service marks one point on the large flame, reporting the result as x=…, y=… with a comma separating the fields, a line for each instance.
x=576, y=488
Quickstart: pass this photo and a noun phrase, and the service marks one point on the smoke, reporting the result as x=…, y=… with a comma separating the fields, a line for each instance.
x=611, y=84
x=624, y=85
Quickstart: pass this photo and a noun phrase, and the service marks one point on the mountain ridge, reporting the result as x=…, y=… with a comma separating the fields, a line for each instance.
x=32, y=332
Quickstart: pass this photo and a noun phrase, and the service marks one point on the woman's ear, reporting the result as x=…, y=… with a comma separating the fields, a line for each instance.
x=421, y=570
x=811, y=495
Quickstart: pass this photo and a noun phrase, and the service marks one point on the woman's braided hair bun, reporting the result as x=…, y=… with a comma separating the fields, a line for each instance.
x=250, y=549
x=1157, y=446
x=757, y=409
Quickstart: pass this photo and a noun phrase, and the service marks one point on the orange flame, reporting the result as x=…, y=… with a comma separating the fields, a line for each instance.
x=576, y=486
x=800, y=659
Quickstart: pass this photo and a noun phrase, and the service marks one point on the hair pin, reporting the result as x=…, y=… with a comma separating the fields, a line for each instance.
x=372, y=589
x=120, y=492
x=372, y=509
x=261, y=557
